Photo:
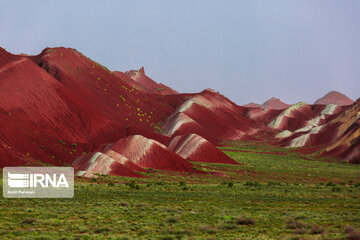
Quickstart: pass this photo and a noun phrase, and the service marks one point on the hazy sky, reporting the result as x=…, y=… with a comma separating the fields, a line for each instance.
x=247, y=50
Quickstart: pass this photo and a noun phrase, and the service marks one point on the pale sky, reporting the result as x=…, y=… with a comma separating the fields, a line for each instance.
x=247, y=50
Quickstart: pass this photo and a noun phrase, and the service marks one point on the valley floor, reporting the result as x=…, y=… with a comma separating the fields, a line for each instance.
x=272, y=195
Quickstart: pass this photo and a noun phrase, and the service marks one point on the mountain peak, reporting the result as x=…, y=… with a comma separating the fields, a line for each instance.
x=275, y=103
x=334, y=97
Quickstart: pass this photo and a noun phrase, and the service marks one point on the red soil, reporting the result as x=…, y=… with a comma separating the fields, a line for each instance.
x=148, y=153
x=39, y=108
x=102, y=89
x=195, y=148
x=103, y=164
x=213, y=117
x=262, y=116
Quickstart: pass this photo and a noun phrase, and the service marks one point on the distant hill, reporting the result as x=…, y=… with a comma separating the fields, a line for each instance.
x=335, y=97
x=275, y=103
x=272, y=103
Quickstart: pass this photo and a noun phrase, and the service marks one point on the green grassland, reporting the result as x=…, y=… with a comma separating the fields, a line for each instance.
x=266, y=196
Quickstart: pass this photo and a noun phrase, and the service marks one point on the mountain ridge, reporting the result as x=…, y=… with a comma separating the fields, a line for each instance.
x=60, y=107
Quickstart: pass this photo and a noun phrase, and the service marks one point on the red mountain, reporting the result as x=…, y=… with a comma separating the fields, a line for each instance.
x=144, y=83
x=334, y=97
x=275, y=103
x=272, y=103
x=60, y=107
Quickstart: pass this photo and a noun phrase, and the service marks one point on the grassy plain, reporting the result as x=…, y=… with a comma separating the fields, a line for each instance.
x=272, y=195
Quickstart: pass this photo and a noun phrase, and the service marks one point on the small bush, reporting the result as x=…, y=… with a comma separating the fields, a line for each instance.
x=245, y=221
x=316, y=229
x=271, y=183
x=230, y=184
x=330, y=184
x=300, y=231
x=182, y=183
x=102, y=229
x=354, y=235
x=207, y=229
x=111, y=184
x=349, y=229
x=73, y=145
x=291, y=224
x=29, y=221
x=133, y=185
x=252, y=184
x=171, y=220
x=123, y=204
x=336, y=189
x=229, y=225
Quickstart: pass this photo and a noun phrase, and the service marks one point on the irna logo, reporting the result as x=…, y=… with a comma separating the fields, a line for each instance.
x=38, y=182
x=17, y=180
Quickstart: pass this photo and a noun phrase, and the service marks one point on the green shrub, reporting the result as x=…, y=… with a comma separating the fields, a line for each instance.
x=171, y=220
x=291, y=224
x=330, y=184
x=252, y=184
x=133, y=185
x=336, y=189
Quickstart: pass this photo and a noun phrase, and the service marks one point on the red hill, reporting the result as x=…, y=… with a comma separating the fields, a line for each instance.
x=60, y=107
x=334, y=97
x=211, y=116
x=252, y=105
x=197, y=149
x=148, y=153
x=103, y=164
x=275, y=103
x=44, y=113
x=146, y=84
